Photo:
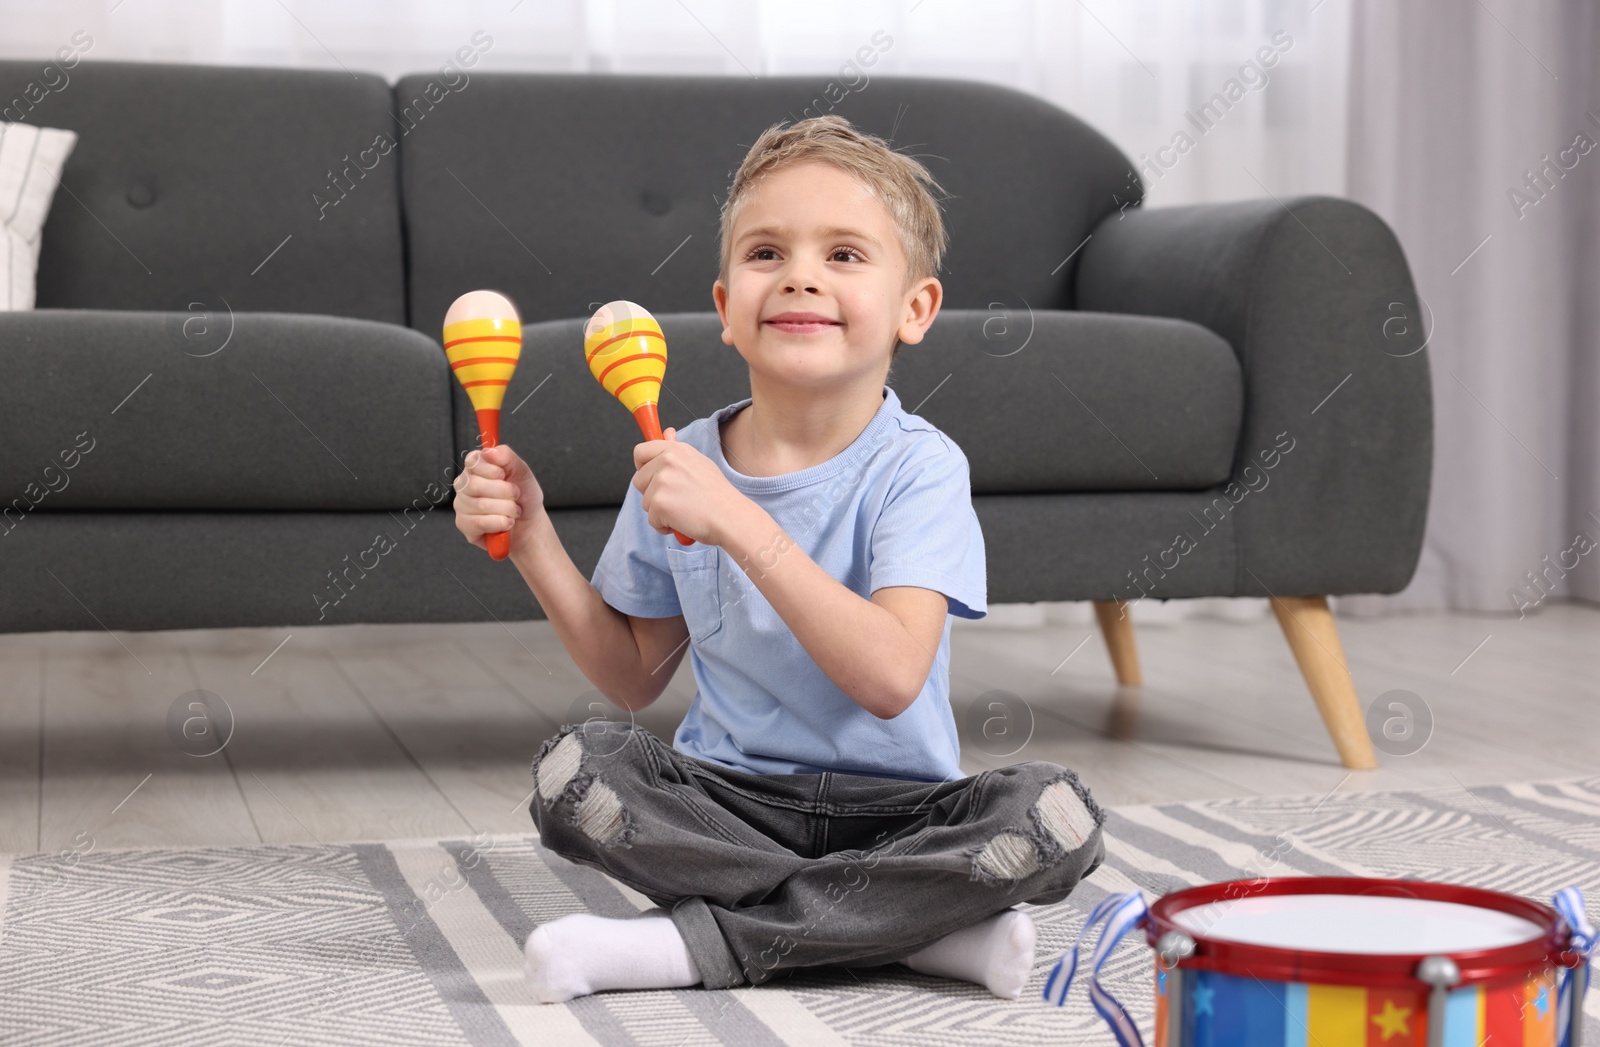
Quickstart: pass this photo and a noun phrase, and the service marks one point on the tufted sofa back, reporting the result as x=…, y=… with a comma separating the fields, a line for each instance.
x=204, y=182
x=288, y=190
x=568, y=190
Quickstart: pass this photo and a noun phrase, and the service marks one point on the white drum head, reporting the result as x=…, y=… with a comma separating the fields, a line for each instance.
x=1356, y=923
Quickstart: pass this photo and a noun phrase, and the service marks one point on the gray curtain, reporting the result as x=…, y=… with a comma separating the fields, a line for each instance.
x=1475, y=132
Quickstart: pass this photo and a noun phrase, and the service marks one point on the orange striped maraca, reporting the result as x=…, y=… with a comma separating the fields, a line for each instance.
x=483, y=340
x=627, y=354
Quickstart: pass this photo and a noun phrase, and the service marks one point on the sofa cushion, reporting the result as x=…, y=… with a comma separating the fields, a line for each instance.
x=136, y=410
x=266, y=189
x=1062, y=402
x=1059, y=401
x=567, y=191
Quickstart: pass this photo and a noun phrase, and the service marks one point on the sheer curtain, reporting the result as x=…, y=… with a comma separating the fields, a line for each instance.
x=1139, y=70
x=1135, y=69
x=1475, y=132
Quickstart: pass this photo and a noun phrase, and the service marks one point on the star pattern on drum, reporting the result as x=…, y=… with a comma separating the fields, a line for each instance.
x=1393, y=1020
x=1202, y=996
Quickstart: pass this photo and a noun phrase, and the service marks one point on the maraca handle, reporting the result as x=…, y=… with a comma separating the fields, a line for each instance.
x=499, y=543
x=650, y=425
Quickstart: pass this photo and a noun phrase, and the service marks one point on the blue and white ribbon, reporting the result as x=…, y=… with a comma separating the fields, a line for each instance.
x=1569, y=903
x=1120, y=913
x=1583, y=939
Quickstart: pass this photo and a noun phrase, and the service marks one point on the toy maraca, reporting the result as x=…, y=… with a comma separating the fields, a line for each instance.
x=483, y=340
x=627, y=355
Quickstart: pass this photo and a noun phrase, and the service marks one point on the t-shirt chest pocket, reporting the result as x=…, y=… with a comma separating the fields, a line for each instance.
x=695, y=572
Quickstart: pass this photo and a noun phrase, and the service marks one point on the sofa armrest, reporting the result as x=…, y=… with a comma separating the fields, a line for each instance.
x=1315, y=297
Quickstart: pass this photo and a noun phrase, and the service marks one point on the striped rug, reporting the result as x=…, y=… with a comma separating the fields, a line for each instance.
x=418, y=941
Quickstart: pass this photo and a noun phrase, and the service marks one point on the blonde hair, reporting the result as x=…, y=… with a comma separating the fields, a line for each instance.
x=900, y=182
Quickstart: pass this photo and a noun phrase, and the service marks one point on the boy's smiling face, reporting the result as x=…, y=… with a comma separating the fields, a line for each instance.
x=817, y=288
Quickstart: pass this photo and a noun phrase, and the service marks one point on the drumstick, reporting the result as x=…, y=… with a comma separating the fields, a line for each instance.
x=627, y=354
x=483, y=341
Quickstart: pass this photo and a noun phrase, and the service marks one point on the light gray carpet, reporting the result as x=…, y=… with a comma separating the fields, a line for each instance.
x=418, y=941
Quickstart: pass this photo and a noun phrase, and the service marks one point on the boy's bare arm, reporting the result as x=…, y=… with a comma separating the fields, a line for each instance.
x=629, y=660
x=878, y=651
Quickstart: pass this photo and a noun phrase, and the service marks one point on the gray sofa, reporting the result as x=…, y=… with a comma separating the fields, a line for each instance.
x=244, y=275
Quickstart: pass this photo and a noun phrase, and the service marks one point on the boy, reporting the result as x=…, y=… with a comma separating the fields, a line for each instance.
x=810, y=809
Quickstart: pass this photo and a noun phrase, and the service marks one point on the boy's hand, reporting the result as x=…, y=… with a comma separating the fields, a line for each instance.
x=496, y=491
x=682, y=489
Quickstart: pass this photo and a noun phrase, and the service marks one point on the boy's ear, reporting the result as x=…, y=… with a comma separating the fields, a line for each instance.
x=925, y=297
x=719, y=296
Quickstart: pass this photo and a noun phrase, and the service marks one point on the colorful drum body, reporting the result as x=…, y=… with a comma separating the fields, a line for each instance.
x=1352, y=962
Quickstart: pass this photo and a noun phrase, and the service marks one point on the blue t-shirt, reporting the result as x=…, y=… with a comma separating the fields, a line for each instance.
x=893, y=508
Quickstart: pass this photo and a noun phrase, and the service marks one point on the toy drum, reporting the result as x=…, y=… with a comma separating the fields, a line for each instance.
x=1349, y=961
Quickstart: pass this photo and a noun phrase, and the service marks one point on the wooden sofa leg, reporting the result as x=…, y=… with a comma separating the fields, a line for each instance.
x=1116, y=625
x=1308, y=625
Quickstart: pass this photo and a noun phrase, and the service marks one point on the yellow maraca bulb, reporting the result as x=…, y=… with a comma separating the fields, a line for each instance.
x=627, y=354
x=483, y=341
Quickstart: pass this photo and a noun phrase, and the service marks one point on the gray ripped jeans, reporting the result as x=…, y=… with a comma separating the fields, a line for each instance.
x=764, y=873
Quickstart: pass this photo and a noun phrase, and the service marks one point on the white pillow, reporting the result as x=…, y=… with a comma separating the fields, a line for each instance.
x=31, y=159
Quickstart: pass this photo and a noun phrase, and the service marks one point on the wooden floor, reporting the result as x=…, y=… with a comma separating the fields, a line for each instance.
x=368, y=732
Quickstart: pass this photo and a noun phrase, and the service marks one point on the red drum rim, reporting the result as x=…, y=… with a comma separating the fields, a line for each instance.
x=1389, y=970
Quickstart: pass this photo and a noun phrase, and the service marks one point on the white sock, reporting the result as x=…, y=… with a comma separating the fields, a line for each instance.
x=580, y=954
x=996, y=953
